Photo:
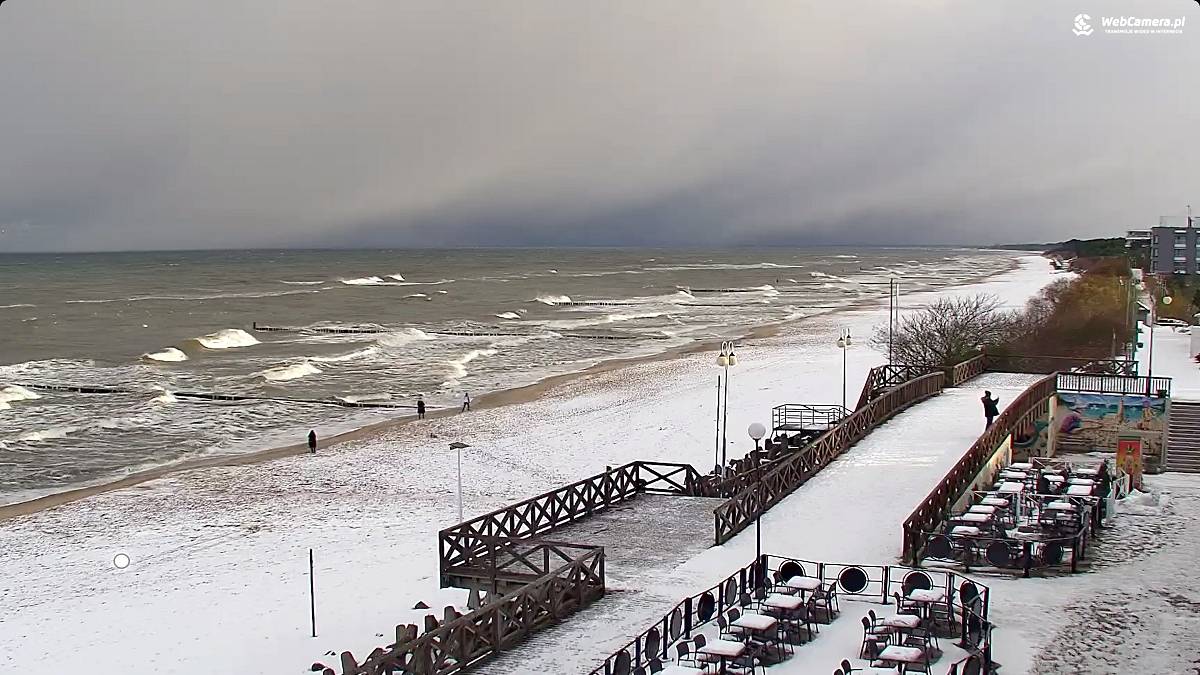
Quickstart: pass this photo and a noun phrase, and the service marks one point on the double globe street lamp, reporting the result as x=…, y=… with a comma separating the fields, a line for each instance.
x=843, y=343
x=725, y=359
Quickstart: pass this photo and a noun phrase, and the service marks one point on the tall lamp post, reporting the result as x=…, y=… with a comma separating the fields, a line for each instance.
x=725, y=359
x=459, y=448
x=1166, y=300
x=757, y=431
x=843, y=344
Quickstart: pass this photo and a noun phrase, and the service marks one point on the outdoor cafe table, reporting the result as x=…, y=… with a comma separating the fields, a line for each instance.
x=982, y=508
x=723, y=649
x=1011, y=487
x=802, y=584
x=780, y=601
x=1053, y=477
x=755, y=621
x=964, y=531
x=901, y=655
x=994, y=501
x=1079, y=490
x=675, y=669
x=975, y=517
x=1020, y=466
x=1014, y=475
x=1061, y=506
x=1076, y=480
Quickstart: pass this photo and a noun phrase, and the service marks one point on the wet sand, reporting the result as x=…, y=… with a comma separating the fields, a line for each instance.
x=490, y=400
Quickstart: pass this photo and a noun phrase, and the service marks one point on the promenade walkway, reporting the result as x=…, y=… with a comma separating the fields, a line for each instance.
x=850, y=512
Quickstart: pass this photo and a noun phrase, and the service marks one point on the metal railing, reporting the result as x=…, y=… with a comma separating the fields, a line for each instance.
x=800, y=417
x=1114, y=384
x=966, y=600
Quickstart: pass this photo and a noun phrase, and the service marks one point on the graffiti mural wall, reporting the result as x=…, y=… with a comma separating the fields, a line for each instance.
x=1088, y=422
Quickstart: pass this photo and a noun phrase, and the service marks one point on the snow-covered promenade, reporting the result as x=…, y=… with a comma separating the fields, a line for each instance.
x=219, y=581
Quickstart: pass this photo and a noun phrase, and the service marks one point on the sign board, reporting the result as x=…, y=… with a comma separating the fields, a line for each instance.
x=1129, y=458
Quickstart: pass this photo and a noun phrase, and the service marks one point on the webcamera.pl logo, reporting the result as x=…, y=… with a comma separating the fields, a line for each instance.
x=1129, y=25
x=1082, y=27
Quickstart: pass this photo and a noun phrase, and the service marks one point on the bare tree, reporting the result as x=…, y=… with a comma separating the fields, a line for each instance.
x=947, y=331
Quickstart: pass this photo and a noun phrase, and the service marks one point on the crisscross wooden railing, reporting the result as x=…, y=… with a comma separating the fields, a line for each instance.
x=1032, y=404
x=464, y=543
x=740, y=510
x=467, y=639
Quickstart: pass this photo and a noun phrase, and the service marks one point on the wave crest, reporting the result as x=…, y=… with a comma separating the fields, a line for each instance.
x=226, y=339
x=553, y=299
x=292, y=372
x=168, y=354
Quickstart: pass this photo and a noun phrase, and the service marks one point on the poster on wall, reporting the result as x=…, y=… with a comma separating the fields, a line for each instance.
x=1129, y=458
x=1087, y=422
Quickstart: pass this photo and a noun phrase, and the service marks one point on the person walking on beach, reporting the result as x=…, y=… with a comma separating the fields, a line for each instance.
x=466, y=402
x=420, y=408
x=990, y=409
x=312, y=442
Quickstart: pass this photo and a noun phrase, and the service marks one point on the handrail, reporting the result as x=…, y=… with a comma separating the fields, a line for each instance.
x=464, y=542
x=1031, y=404
x=1113, y=384
x=739, y=511
x=469, y=638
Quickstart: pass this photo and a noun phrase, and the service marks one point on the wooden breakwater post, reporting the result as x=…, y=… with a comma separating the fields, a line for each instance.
x=312, y=593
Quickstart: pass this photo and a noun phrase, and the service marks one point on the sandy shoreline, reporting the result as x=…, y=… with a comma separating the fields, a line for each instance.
x=496, y=399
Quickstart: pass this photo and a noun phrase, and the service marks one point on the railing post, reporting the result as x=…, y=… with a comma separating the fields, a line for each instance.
x=1027, y=557
x=687, y=617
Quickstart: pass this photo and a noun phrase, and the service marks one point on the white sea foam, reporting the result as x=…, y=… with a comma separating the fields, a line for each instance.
x=16, y=306
x=508, y=315
x=397, y=277
x=189, y=298
x=403, y=338
x=17, y=393
x=845, y=256
x=441, y=292
x=567, y=324
x=363, y=281
x=227, y=338
x=47, y=434
x=302, y=283
x=458, y=367
x=166, y=398
x=417, y=295
x=366, y=398
x=553, y=299
x=292, y=372
x=349, y=356
x=168, y=354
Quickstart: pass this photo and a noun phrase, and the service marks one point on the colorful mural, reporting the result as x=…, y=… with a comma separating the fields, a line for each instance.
x=1087, y=422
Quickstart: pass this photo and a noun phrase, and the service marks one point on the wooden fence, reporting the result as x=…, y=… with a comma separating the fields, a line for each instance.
x=740, y=510
x=467, y=543
x=1113, y=384
x=465, y=640
x=882, y=378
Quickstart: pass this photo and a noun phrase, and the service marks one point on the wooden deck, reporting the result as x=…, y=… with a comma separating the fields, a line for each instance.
x=644, y=541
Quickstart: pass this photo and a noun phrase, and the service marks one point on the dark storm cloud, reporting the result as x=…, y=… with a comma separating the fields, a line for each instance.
x=139, y=124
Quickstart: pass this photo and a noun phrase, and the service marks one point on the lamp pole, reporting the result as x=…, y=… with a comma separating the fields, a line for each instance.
x=717, y=442
x=459, y=448
x=1166, y=300
x=725, y=359
x=757, y=431
x=843, y=343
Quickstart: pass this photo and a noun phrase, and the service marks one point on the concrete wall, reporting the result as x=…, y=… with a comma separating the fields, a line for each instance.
x=987, y=475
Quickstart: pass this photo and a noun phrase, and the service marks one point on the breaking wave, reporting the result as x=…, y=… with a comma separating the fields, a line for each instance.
x=302, y=283
x=227, y=338
x=397, y=277
x=458, y=367
x=553, y=299
x=403, y=338
x=168, y=354
x=292, y=372
x=417, y=295
x=349, y=356
x=363, y=281
x=15, y=393
x=508, y=315
x=16, y=306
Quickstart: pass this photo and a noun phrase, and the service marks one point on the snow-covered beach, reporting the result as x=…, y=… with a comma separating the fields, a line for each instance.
x=219, y=573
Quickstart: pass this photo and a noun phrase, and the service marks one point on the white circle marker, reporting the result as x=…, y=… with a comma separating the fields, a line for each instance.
x=120, y=561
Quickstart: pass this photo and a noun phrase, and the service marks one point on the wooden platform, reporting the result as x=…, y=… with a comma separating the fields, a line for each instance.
x=644, y=541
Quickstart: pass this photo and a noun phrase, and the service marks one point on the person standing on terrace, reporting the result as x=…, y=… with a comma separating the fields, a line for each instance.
x=990, y=407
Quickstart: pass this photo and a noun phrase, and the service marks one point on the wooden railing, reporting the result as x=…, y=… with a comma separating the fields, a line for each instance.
x=740, y=510
x=966, y=370
x=882, y=378
x=966, y=599
x=467, y=639
x=1007, y=363
x=463, y=544
x=1032, y=404
x=801, y=417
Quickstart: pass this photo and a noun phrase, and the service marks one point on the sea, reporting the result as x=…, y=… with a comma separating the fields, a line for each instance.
x=106, y=358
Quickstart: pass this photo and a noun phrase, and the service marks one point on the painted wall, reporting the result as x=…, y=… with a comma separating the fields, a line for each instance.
x=1088, y=422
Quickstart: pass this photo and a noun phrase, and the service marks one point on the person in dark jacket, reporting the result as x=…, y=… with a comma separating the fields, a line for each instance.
x=990, y=407
x=312, y=441
x=420, y=408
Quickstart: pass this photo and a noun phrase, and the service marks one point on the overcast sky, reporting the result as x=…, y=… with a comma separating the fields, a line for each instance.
x=151, y=124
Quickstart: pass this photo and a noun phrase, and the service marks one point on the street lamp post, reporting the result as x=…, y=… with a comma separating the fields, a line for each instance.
x=1166, y=300
x=843, y=343
x=725, y=359
x=757, y=431
x=459, y=448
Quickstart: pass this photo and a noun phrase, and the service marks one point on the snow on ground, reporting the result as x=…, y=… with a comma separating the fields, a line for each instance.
x=218, y=580
x=1172, y=358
